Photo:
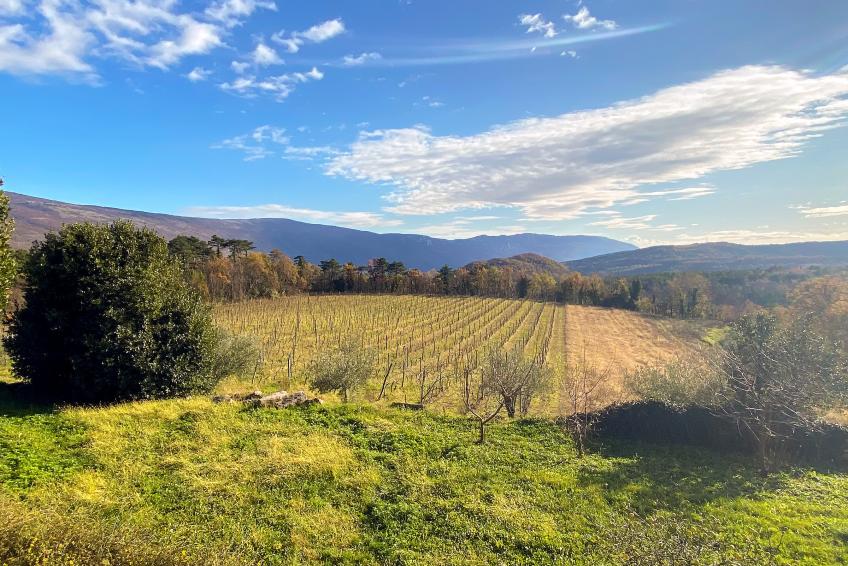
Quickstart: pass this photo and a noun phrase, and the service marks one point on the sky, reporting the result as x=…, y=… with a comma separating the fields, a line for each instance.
x=672, y=121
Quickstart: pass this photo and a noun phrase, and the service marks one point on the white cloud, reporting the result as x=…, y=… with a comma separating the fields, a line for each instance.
x=195, y=38
x=257, y=144
x=323, y=31
x=264, y=56
x=11, y=7
x=232, y=12
x=618, y=222
x=198, y=74
x=279, y=87
x=584, y=20
x=749, y=237
x=570, y=53
x=316, y=34
x=361, y=59
x=824, y=211
x=59, y=47
x=64, y=36
x=536, y=23
x=239, y=66
x=308, y=153
x=567, y=165
x=270, y=141
x=462, y=227
x=338, y=218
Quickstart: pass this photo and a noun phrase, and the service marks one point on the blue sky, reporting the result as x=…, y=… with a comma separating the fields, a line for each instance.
x=655, y=121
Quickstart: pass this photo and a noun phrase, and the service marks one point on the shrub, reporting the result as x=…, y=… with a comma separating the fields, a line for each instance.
x=344, y=369
x=680, y=382
x=108, y=317
x=236, y=355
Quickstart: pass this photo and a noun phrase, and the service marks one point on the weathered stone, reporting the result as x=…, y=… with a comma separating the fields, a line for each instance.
x=283, y=399
x=223, y=399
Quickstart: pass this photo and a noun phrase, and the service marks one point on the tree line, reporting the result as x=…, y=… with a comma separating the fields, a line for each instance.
x=232, y=270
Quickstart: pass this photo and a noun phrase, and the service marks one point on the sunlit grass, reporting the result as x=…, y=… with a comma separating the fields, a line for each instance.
x=192, y=482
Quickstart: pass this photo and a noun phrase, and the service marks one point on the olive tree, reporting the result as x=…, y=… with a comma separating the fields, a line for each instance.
x=342, y=369
x=108, y=316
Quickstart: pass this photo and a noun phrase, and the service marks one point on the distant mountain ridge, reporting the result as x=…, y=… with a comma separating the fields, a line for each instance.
x=714, y=257
x=35, y=216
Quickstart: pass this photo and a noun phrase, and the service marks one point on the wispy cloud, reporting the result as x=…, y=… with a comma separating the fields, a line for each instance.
x=316, y=34
x=278, y=87
x=198, y=74
x=59, y=37
x=338, y=218
x=257, y=144
x=564, y=166
x=584, y=20
x=361, y=59
x=272, y=141
x=535, y=23
x=823, y=211
x=500, y=50
x=741, y=237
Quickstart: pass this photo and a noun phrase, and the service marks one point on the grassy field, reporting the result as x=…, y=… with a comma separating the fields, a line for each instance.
x=190, y=482
x=417, y=334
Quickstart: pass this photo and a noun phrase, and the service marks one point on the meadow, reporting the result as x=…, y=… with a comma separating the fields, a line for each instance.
x=423, y=337
x=189, y=481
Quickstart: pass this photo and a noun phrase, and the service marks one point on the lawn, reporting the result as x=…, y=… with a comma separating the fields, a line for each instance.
x=192, y=482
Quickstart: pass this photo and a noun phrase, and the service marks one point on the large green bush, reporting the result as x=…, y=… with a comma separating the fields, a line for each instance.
x=108, y=317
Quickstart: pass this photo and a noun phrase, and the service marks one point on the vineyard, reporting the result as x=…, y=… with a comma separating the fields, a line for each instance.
x=421, y=341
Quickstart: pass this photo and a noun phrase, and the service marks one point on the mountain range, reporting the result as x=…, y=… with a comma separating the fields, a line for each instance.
x=36, y=216
x=715, y=257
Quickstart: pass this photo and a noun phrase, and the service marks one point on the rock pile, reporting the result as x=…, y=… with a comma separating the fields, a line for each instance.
x=278, y=400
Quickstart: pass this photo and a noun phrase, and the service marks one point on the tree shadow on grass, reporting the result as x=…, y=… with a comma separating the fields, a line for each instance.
x=648, y=477
x=19, y=399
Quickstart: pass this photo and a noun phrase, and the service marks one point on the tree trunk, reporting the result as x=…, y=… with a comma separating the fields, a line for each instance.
x=482, y=437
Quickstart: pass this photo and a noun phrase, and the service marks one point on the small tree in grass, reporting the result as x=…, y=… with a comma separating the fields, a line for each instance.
x=344, y=369
x=482, y=401
x=584, y=388
x=516, y=378
x=108, y=317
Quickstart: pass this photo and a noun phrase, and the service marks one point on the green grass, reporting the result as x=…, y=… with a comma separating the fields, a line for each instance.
x=190, y=482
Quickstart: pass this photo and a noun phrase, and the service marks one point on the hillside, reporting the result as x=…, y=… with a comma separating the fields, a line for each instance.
x=714, y=257
x=188, y=482
x=35, y=216
x=528, y=263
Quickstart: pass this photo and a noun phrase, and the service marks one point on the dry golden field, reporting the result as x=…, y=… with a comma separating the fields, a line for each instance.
x=420, y=338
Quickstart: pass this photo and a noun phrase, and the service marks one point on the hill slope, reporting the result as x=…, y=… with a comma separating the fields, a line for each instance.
x=528, y=264
x=187, y=482
x=35, y=216
x=714, y=257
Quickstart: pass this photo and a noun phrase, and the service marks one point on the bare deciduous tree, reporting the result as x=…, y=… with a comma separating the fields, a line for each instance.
x=480, y=400
x=584, y=388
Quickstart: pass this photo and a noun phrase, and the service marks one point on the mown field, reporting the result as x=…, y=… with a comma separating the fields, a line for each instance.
x=417, y=336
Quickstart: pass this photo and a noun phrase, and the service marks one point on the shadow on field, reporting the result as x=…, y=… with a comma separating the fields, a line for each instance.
x=650, y=477
x=17, y=399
